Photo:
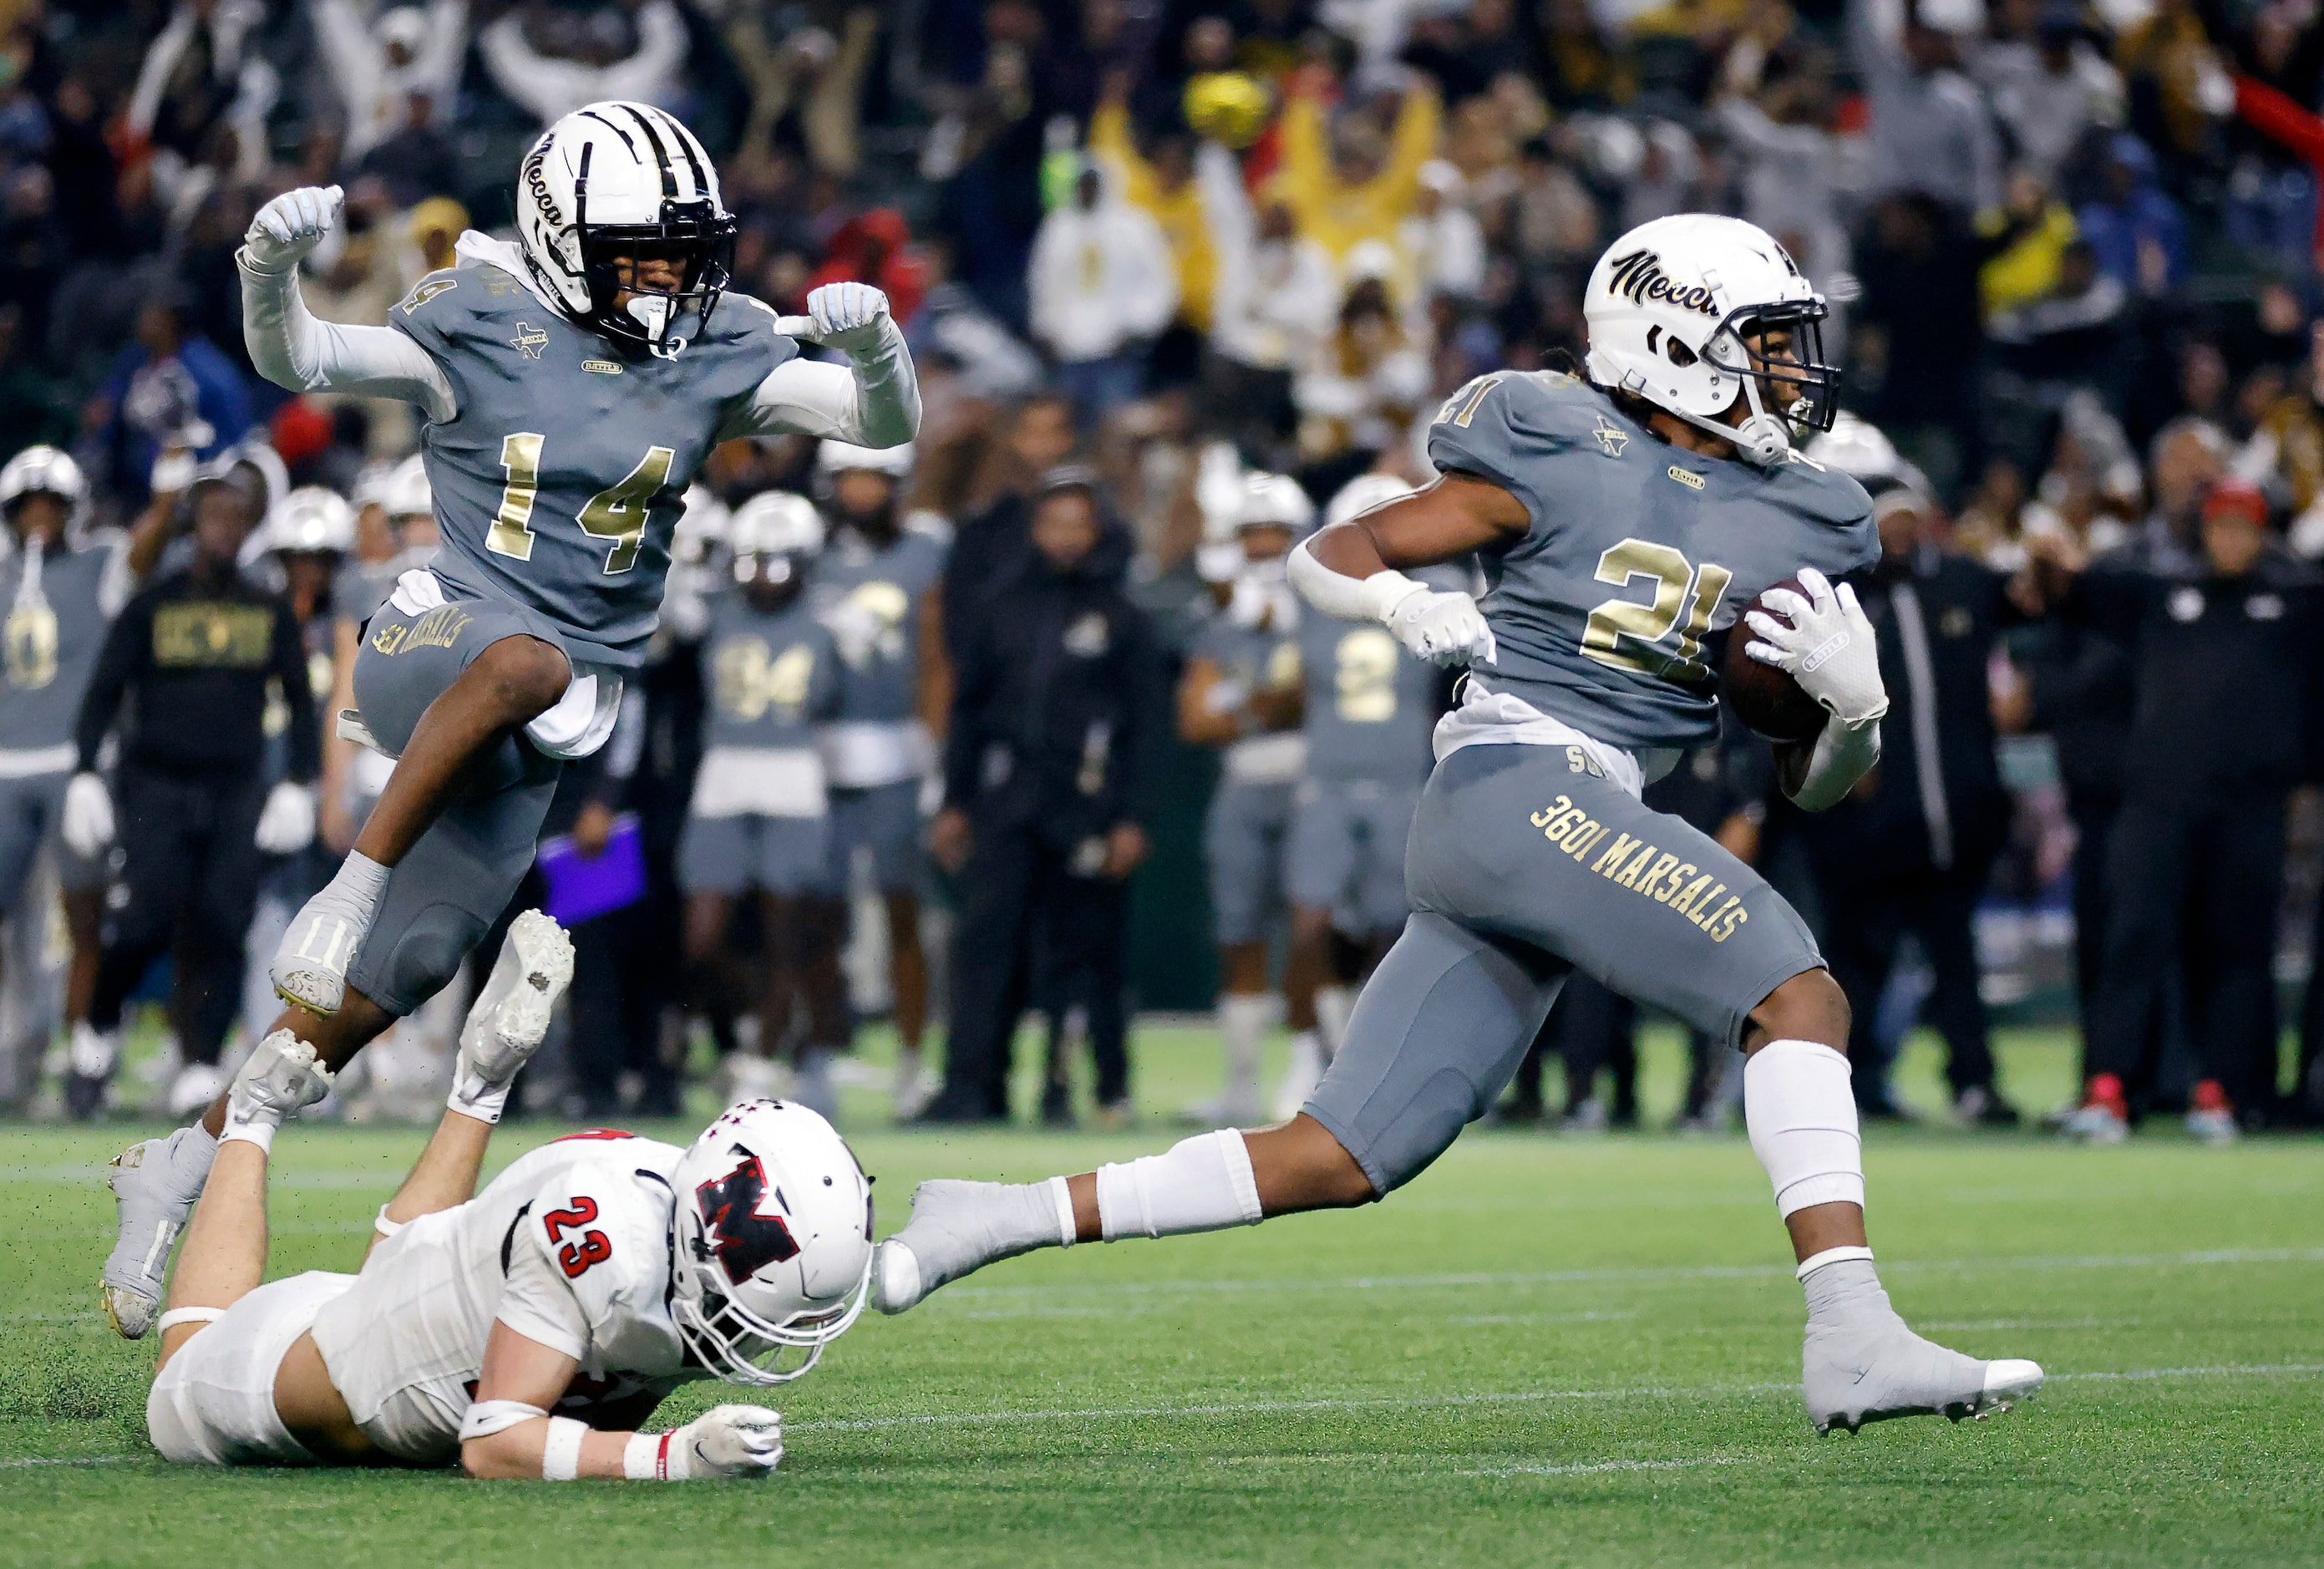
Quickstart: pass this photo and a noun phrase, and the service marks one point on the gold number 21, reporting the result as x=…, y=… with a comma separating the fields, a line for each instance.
x=1622, y=633
x=616, y=514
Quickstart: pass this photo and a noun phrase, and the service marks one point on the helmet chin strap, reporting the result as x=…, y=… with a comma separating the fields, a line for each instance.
x=1762, y=438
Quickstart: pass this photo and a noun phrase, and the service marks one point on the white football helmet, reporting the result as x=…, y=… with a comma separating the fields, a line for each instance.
x=1362, y=495
x=838, y=456
x=45, y=470
x=1668, y=307
x=1274, y=501
x=311, y=518
x=406, y=493
x=771, y=1244
x=622, y=179
x=775, y=522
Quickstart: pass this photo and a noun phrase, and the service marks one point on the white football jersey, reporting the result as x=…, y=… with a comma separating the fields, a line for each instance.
x=569, y=1246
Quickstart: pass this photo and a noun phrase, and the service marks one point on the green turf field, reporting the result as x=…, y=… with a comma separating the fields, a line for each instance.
x=1544, y=1350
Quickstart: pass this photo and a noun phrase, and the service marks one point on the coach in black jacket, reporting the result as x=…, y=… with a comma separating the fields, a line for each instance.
x=183, y=683
x=1058, y=705
x=1910, y=848
x=2227, y=665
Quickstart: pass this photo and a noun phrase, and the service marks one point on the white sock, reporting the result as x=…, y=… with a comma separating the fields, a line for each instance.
x=1842, y=1286
x=1801, y=1117
x=1243, y=1021
x=1202, y=1183
x=1333, y=1004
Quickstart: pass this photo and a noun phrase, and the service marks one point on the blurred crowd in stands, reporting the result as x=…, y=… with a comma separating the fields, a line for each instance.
x=1177, y=275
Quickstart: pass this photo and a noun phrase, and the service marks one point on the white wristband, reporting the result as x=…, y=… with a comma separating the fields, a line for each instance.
x=561, y=1456
x=646, y=1458
x=1343, y=598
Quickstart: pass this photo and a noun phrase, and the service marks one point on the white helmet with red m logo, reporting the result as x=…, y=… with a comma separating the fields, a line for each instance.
x=771, y=1247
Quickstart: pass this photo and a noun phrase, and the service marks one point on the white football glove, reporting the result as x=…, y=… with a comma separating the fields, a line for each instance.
x=727, y=1441
x=290, y=226
x=1444, y=627
x=88, y=821
x=851, y=318
x=1828, y=648
x=287, y=822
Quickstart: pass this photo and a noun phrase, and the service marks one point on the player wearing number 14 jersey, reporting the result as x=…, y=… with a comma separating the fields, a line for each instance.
x=573, y=382
x=1623, y=519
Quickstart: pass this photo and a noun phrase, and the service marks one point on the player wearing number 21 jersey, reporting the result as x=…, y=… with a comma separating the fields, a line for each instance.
x=1623, y=517
x=572, y=382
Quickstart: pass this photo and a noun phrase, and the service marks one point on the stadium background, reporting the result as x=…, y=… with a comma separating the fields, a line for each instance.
x=2059, y=238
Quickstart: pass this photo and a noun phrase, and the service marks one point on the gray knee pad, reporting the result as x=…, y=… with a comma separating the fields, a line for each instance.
x=1436, y=1038
x=424, y=956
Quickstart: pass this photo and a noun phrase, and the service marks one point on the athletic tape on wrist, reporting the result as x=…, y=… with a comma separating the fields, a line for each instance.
x=259, y=1133
x=383, y=1225
x=561, y=1455
x=655, y=1457
x=1067, y=1228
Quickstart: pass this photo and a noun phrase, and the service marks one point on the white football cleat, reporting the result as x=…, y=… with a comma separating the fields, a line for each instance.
x=951, y=1234
x=511, y=1016
x=155, y=1184
x=310, y=963
x=1851, y=1375
x=278, y=1079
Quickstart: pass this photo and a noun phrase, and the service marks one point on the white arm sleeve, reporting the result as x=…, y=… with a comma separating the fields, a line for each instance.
x=874, y=403
x=1843, y=754
x=1341, y=596
x=291, y=349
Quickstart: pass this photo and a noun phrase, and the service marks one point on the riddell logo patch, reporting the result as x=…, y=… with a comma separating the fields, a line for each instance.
x=603, y=367
x=1641, y=278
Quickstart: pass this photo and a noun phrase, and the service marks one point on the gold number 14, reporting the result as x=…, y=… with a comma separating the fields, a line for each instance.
x=616, y=514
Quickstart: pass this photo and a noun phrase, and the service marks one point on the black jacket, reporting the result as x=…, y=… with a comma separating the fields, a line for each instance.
x=1059, y=703
x=193, y=661
x=1912, y=818
x=2227, y=673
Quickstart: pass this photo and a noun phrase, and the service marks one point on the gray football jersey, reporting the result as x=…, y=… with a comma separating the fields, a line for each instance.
x=1637, y=549
x=889, y=584
x=1254, y=656
x=1370, y=707
x=56, y=625
x=559, y=481
x=771, y=678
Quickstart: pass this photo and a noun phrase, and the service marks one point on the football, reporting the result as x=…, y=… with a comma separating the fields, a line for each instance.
x=1764, y=697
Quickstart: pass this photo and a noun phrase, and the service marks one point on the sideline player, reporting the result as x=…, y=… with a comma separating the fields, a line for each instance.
x=1240, y=693
x=528, y=1330
x=573, y=384
x=881, y=586
x=760, y=819
x=1671, y=471
x=59, y=593
x=1370, y=708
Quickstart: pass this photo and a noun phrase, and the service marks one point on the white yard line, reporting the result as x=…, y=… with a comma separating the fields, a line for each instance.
x=1483, y=1397
x=67, y=1460
x=1605, y=1465
x=2209, y=1259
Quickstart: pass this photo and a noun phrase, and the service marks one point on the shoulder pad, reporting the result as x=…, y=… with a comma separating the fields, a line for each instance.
x=1502, y=419
x=1819, y=491
x=605, y=1224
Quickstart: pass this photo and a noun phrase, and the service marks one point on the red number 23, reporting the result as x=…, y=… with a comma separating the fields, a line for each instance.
x=575, y=1258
